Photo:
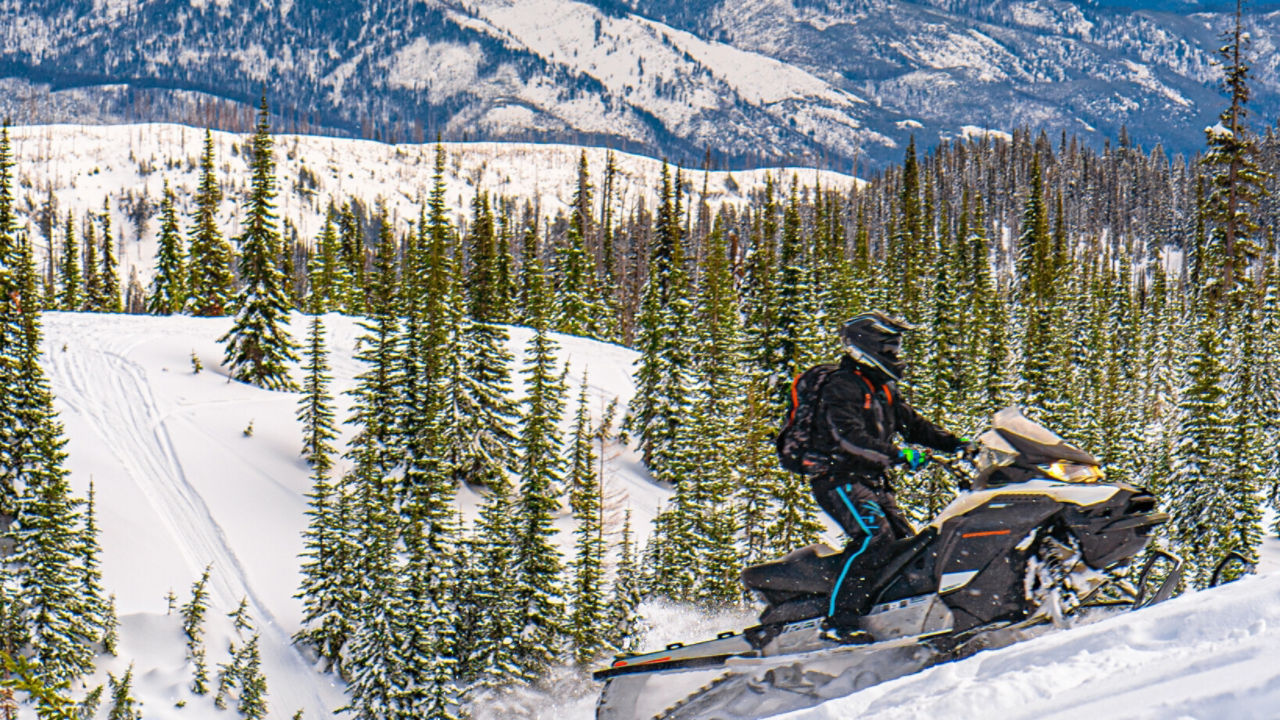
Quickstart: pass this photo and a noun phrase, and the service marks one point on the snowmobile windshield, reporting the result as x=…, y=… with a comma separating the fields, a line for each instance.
x=1032, y=442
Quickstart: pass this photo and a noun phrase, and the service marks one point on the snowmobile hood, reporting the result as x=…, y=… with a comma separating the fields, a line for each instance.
x=1073, y=493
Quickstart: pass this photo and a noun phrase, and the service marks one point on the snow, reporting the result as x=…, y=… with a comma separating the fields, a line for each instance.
x=1211, y=654
x=180, y=486
x=81, y=165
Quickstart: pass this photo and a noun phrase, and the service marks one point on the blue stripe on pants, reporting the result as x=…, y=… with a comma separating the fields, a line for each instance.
x=865, y=541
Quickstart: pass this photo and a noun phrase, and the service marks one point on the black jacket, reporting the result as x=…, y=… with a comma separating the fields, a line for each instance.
x=863, y=411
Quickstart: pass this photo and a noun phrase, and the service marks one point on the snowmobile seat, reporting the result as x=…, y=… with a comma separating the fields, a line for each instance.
x=810, y=569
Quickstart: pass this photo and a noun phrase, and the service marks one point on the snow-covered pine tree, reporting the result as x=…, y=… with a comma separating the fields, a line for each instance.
x=624, y=621
x=124, y=706
x=46, y=530
x=799, y=314
x=252, y=702
x=609, y=278
x=193, y=611
x=327, y=604
x=109, y=275
x=351, y=237
x=539, y=608
x=328, y=278
x=92, y=278
x=1203, y=512
x=111, y=630
x=575, y=274
x=1236, y=181
x=663, y=373
x=800, y=343
x=376, y=397
x=315, y=408
x=210, y=285
x=169, y=286
x=471, y=362
x=427, y=617
x=71, y=280
x=241, y=620
x=200, y=670
x=258, y=344
x=98, y=610
x=586, y=621
x=493, y=600
x=721, y=367
x=1247, y=446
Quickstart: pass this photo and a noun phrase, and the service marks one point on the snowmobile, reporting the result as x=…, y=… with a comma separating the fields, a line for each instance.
x=1036, y=538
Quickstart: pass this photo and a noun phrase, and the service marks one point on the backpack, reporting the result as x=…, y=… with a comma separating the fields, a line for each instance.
x=795, y=442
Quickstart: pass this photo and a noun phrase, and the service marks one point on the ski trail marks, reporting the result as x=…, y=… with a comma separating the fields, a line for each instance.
x=114, y=394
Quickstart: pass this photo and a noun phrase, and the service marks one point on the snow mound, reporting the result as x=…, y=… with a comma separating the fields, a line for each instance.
x=1211, y=654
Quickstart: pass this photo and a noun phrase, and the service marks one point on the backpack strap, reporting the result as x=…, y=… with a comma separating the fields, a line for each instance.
x=795, y=397
x=871, y=390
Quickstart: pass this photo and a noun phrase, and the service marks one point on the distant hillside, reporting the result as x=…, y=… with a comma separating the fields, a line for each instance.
x=836, y=83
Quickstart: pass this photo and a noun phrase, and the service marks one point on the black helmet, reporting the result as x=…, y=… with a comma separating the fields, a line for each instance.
x=873, y=339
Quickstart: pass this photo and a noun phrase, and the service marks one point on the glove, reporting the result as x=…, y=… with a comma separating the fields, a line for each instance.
x=913, y=458
x=968, y=448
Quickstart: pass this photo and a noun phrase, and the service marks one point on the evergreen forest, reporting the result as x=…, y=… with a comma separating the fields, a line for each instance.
x=1127, y=300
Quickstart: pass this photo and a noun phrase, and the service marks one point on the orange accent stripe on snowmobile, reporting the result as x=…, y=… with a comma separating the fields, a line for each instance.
x=985, y=533
x=795, y=398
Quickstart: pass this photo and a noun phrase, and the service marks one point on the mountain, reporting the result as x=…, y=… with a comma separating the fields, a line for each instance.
x=828, y=82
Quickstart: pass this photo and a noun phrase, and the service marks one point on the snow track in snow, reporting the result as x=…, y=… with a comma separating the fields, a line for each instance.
x=112, y=391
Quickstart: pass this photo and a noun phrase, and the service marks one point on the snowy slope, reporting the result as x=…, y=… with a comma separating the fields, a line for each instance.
x=180, y=486
x=81, y=165
x=1202, y=656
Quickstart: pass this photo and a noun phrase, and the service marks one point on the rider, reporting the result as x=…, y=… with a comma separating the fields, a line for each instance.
x=860, y=406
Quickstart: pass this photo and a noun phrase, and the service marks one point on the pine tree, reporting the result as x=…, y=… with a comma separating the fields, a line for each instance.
x=624, y=621
x=258, y=343
x=376, y=396
x=98, y=610
x=111, y=629
x=586, y=622
x=326, y=597
x=799, y=315
x=93, y=292
x=1203, y=511
x=718, y=424
x=665, y=324
x=109, y=276
x=124, y=706
x=576, y=291
x=1237, y=183
x=211, y=281
x=45, y=522
x=169, y=286
x=539, y=612
x=71, y=296
x=240, y=618
x=253, y=684
x=315, y=408
x=193, y=611
x=328, y=276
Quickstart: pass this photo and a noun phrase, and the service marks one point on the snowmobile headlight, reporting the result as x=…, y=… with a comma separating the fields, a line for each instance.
x=1073, y=472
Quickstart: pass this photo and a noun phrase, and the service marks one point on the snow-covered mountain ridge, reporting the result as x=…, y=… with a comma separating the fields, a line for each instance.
x=831, y=82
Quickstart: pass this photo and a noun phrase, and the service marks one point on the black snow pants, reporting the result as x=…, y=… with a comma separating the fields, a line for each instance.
x=869, y=514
